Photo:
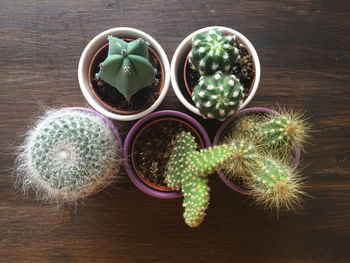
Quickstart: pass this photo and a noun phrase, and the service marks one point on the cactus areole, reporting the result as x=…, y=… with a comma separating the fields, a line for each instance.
x=127, y=78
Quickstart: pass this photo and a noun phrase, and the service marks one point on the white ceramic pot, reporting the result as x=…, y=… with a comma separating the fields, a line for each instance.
x=182, y=51
x=90, y=50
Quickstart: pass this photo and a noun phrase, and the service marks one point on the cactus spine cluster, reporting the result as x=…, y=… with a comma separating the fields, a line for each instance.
x=244, y=159
x=280, y=133
x=274, y=185
x=69, y=154
x=187, y=169
x=246, y=126
x=213, y=51
x=127, y=67
x=218, y=96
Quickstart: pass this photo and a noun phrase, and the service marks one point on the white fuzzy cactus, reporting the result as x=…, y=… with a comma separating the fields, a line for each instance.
x=69, y=154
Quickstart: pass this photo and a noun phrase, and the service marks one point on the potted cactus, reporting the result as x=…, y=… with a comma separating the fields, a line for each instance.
x=124, y=73
x=279, y=134
x=69, y=154
x=215, y=72
x=148, y=146
x=272, y=183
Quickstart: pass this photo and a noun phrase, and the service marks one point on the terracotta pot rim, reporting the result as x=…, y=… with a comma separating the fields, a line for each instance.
x=129, y=140
x=114, y=109
x=296, y=154
x=138, y=134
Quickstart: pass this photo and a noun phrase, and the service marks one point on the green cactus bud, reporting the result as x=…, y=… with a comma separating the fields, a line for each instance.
x=275, y=186
x=127, y=67
x=213, y=51
x=69, y=154
x=186, y=170
x=218, y=96
x=280, y=133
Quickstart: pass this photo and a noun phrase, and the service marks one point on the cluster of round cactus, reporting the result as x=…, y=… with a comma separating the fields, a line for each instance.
x=218, y=96
x=127, y=67
x=69, y=154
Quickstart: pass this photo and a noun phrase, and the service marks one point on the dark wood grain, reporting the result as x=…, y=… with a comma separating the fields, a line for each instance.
x=305, y=55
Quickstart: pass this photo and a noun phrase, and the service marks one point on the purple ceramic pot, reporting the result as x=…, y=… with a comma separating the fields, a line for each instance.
x=116, y=134
x=130, y=139
x=226, y=123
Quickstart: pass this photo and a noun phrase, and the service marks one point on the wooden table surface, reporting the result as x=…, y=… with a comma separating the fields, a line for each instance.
x=304, y=51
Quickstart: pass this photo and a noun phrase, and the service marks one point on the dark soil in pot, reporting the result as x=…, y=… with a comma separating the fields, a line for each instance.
x=111, y=98
x=244, y=71
x=152, y=148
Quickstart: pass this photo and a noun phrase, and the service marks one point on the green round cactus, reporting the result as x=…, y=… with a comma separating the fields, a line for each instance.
x=127, y=67
x=275, y=186
x=69, y=154
x=218, y=96
x=213, y=51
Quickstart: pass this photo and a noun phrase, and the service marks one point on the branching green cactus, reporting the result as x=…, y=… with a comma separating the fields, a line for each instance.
x=187, y=169
x=263, y=167
x=275, y=186
x=218, y=96
x=213, y=51
x=127, y=67
x=69, y=154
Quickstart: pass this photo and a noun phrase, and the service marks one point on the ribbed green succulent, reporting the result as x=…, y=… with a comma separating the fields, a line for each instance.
x=218, y=96
x=67, y=155
x=187, y=170
x=275, y=186
x=127, y=67
x=213, y=51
